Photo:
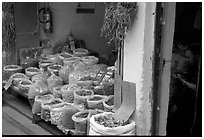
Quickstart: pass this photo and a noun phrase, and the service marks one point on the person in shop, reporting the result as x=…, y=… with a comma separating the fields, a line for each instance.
x=181, y=111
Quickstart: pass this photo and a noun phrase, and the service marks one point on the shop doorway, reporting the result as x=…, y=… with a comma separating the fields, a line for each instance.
x=184, y=110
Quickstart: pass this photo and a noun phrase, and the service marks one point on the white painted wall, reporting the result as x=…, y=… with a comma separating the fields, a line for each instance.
x=84, y=26
x=138, y=55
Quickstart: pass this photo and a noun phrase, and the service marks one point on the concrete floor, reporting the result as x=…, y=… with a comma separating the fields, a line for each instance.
x=14, y=123
x=17, y=118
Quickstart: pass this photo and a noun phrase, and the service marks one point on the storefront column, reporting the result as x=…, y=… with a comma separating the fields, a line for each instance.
x=138, y=64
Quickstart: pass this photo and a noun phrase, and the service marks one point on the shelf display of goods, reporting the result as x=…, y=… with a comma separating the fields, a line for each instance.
x=68, y=92
x=80, y=121
x=54, y=80
x=109, y=103
x=24, y=85
x=96, y=102
x=16, y=78
x=64, y=73
x=44, y=64
x=67, y=114
x=80, y=52
x=39, y=77
x=31, y=71
x=54, y=69
x=56, y=59
x=105, y=124
x=10, y=70
x=71, y=61
x=37, y=88
x=89, y=60
x=36, y=108
x=56, y=113
x=81, y=96
x=56, y=91
x=46, y=107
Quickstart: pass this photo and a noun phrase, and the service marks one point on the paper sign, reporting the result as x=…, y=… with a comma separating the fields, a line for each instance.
x=128, y=102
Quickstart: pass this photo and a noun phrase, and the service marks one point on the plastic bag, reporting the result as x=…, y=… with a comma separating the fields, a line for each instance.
x=80, y=121
x=39, y=77
x=81, y=96
x=84, y=71
x=38, y=88
x=56, y=113
x=64, y=73
x=96, y=102
x=31, y=71
x=36, y=109
x=89, y=60
x=17, y=77
x=80, y=52
x=24, y=85
x=70, y=61
x=46, y=108
x=54, y=80
x=121, y=130
x=54, y=69
x=67, y=114
x=68, y=92
x=108, y=103
x=56, y=91
x=9, y=70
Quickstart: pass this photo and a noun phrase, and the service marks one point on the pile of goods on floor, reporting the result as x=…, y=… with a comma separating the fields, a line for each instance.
x=72, y=91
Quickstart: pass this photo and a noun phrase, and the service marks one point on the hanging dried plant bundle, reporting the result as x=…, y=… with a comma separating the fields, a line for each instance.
x=117, y=20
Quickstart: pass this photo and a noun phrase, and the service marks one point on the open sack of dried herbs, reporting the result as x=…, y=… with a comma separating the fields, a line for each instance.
x=104, y=124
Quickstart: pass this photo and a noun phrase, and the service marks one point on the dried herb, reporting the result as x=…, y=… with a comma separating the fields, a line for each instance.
x=117, y=20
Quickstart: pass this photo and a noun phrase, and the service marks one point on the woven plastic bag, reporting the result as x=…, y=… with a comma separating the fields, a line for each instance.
x=56, y=113
x=31, y=71
x=54, y=80
x=80, y=121
x=96, y=102
x=39, y=77
x=97, y=129
x=36, y=109
x=108, y=103
x=9, y=70
x=81, y=96
x=67, y=114
x=64, y=73
x=38, y=88
x=46, y=108
x=68, y=92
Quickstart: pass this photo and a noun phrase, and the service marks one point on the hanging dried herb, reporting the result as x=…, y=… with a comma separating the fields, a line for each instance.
x=117, y=20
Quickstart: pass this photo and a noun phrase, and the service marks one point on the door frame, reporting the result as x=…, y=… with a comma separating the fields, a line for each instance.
x=164, y=33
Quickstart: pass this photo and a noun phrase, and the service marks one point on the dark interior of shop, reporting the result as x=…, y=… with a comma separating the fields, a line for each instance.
x=185, y=104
